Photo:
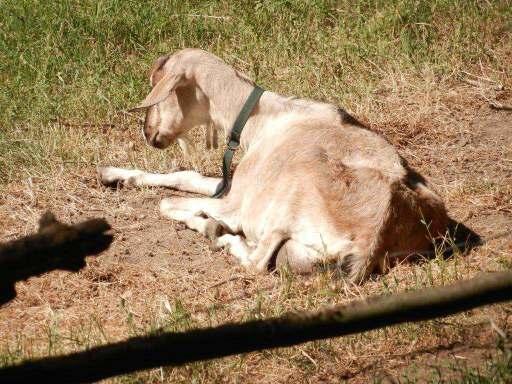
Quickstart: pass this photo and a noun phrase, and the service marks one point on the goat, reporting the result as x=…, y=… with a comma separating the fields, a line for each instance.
x=314, y=184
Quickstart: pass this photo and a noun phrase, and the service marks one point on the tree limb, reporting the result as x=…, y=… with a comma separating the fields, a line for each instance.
x=172, y=349
x=54, y=246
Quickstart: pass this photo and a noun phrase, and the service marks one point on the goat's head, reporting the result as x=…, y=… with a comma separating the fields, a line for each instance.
x=175, y=104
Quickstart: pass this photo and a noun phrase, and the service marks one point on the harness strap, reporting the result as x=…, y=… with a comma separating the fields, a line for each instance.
x=234, y=140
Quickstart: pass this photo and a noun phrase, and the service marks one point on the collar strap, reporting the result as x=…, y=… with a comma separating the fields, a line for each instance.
x=234, y=139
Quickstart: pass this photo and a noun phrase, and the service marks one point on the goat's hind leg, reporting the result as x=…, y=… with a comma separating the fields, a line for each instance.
x=206, y=226
x=255, y=259
x=206, y=216
x=187, y=181
x=217, y=209
x=301, y=259
x=297, y=257
x=237, y=246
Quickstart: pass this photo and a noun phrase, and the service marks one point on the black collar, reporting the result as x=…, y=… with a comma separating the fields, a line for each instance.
x=234, y=139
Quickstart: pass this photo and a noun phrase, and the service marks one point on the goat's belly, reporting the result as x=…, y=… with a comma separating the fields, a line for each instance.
x=297, y=257
x=326, y=244
x=302, y=258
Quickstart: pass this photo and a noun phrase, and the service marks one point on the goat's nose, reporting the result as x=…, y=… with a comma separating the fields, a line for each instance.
x=157, y=141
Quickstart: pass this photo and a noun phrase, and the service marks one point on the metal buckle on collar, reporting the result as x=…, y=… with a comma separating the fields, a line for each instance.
x=233, y=145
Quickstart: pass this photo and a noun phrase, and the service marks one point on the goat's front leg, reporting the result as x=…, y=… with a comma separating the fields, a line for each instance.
x=187, y=181
x=189, y=150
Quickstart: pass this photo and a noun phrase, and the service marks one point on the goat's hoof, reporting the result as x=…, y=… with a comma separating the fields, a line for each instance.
x=179, y=226
x=107, y=176
x=213, y=230
x=215, y=245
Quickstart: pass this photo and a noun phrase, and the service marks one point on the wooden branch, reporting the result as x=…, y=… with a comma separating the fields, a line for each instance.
x=172, y=349
x=54, y=246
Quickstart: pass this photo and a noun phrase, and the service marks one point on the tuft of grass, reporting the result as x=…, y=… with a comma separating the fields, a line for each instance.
x=497, y=369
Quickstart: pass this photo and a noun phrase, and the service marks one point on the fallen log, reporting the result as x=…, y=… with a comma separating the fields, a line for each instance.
x=54, y=246
x=173, y=349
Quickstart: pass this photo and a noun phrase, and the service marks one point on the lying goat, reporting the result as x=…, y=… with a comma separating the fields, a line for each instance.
x=313, y=186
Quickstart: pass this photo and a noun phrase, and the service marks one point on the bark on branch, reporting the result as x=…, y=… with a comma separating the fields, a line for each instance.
x=171, y=349
x=54, y=246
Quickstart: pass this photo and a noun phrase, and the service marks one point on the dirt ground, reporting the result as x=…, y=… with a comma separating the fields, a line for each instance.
x=158, y=273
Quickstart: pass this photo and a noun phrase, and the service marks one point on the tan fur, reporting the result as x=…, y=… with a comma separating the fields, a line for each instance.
x=313, y=186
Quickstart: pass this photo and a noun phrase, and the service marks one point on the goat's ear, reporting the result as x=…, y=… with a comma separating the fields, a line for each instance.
x=161, y=90
x=157, y=71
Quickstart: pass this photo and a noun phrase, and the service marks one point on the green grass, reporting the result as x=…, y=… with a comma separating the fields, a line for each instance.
x=88, y=60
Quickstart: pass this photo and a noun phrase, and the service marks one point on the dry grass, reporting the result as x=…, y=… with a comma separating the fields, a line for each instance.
x=158, y=274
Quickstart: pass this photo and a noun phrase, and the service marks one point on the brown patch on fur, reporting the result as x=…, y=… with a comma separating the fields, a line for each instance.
x=389, y=220
x=416, y=218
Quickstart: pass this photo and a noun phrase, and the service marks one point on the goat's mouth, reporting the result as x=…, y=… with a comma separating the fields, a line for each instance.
x=159, y=141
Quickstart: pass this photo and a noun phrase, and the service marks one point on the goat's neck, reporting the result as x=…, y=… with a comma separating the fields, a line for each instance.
x=224, y=113
x=227, y=99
